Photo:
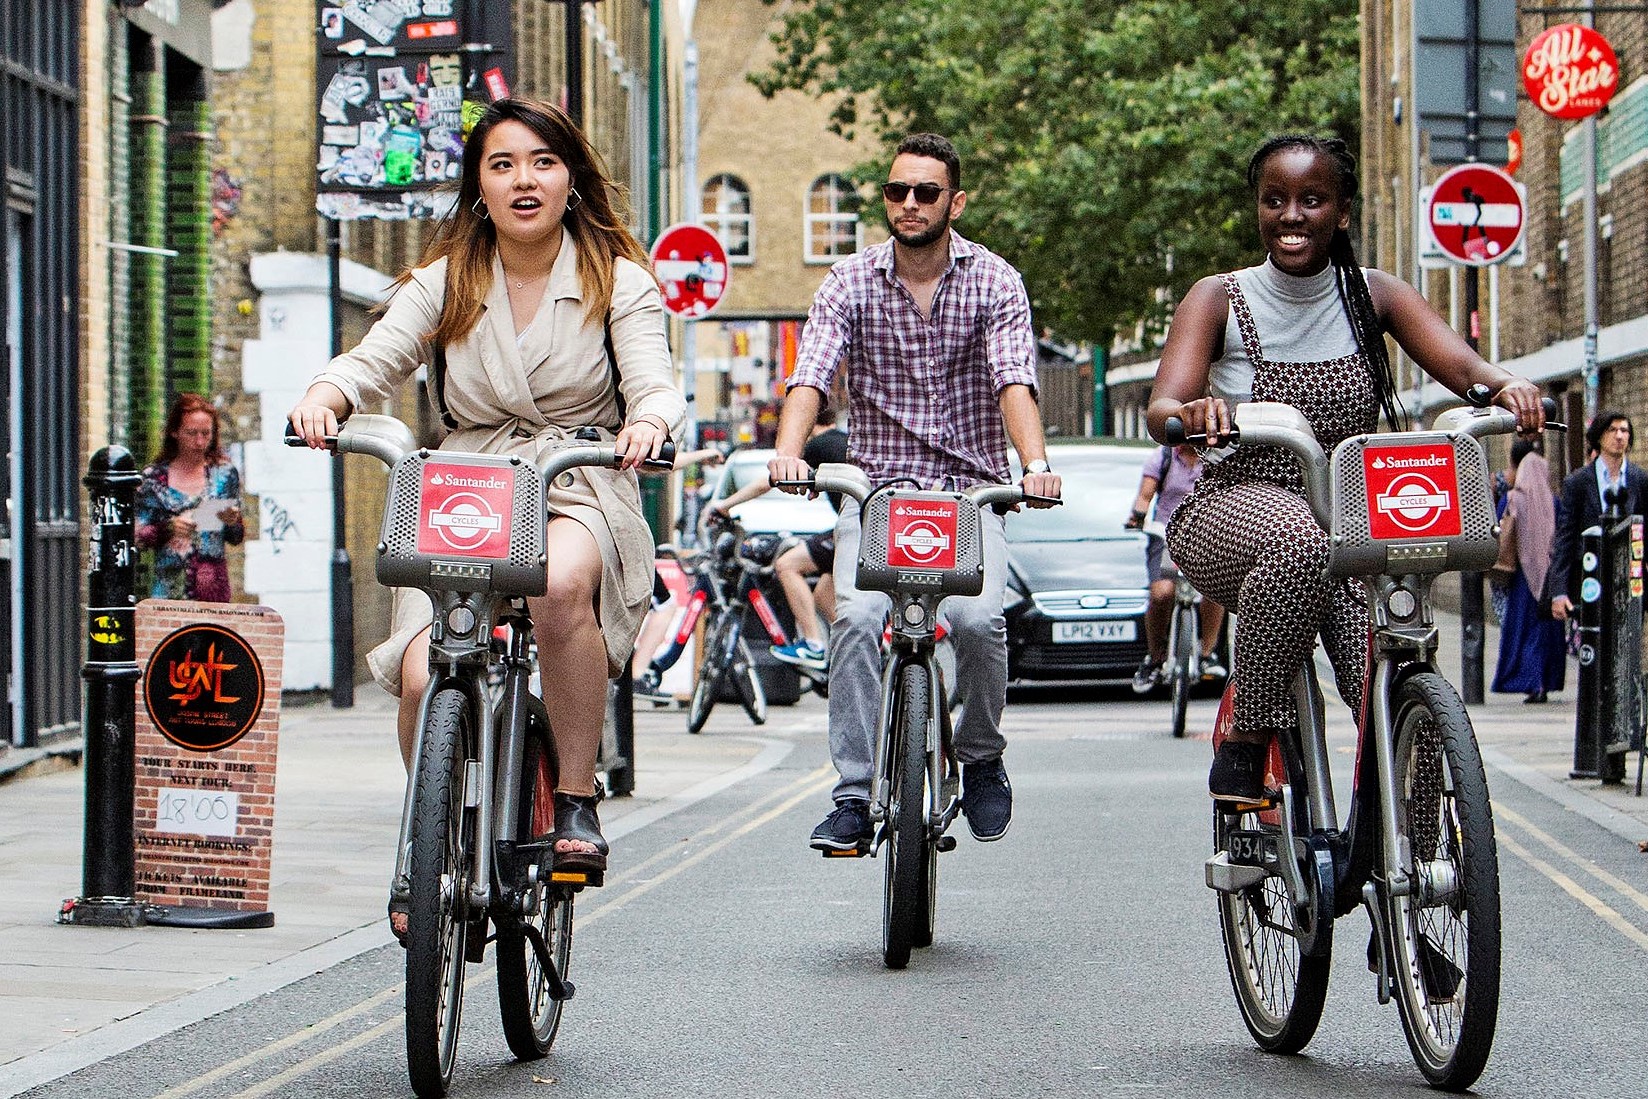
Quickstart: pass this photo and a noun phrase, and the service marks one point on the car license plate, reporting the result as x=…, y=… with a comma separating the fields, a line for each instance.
x=1090, y=632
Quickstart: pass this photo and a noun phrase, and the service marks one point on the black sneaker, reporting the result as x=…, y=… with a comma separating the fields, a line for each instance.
x=1148, y=677
x=986, y=799
x=847, y=828
x=1238, y=772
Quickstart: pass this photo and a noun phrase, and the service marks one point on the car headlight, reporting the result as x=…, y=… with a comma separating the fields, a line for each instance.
x=1013, y=595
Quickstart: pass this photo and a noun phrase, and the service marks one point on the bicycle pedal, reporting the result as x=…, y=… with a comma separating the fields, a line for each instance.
x=578, y=878
x=946, y=843
x=850, y=853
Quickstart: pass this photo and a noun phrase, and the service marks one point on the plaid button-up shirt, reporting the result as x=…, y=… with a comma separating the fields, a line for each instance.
x=922, y=391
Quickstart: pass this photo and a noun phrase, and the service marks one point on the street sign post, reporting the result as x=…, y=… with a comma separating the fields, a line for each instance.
x=1476, y=215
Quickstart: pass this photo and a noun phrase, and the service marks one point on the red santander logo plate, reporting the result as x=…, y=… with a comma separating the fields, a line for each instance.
x=921, y=534
x=1570, y=71
x=465, y=511
x=1413, y=491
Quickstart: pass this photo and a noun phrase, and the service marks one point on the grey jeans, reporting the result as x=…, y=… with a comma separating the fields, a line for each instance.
x=978, y=633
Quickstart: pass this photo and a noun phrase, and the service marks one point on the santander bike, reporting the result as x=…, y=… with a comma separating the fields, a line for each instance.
x=476, y=840
x=1418, y=849
x=918, y=547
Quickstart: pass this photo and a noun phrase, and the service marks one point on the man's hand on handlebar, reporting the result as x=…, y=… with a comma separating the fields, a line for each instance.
x=782, y=469
x=1047, y=485
x=1208, y=416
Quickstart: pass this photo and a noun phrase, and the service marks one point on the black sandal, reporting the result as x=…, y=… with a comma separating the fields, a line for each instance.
x=576, y=820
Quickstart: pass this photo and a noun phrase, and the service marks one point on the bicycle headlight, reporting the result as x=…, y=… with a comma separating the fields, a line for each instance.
x=1401, y=603
x=460, y=620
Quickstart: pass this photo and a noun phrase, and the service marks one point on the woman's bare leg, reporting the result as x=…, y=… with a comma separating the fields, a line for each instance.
x=414, y=678
x=572, y=656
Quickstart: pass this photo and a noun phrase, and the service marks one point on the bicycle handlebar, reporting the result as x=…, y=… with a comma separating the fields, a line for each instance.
x=389, y=440
x=852, y=481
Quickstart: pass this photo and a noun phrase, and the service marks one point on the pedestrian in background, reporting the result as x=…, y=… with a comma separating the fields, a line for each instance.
x=1533, y=655
x=188, y=506
x=1609, y=436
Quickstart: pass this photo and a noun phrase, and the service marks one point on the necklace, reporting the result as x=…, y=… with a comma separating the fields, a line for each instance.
x=521, y=284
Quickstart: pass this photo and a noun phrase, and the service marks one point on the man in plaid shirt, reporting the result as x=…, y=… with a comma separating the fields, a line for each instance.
x=934, y=333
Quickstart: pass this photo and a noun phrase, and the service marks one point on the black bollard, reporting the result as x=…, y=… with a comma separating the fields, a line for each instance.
x=111, y=674
x=621, y=776
x=1588, y=713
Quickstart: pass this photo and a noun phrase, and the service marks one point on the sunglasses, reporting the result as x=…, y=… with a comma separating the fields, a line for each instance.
x=926, y=193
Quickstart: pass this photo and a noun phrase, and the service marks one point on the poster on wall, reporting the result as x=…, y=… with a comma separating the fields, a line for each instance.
x=398, y=83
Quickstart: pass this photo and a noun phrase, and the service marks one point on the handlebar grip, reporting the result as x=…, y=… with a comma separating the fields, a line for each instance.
x=665, y=460
x=1551, y=409
x=1173, y=431
x=807, y=483
x=293, y=439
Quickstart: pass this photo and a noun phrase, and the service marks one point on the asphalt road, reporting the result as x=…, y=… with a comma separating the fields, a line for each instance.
x=1078, y=956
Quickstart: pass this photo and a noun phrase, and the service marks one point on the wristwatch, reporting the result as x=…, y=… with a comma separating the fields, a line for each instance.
x=1038, y=466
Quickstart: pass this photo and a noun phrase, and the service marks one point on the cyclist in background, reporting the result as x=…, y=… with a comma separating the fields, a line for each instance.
x=934, y=334
x=1169, y=474
x=1306, y=328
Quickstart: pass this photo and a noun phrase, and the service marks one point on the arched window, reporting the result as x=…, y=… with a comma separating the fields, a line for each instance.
x=726, y=212
x=832, y=225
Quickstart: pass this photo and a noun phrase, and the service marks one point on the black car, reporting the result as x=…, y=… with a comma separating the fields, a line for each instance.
x=1077, y=586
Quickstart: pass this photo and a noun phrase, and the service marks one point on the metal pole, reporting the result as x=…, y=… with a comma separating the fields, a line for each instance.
x=1472, y=630
x=690, y=212
x=343, y=588
x=1589, y=215
x=575, y=61
x=108, y=872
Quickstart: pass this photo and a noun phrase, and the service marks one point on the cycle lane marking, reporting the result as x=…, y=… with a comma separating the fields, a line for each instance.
x=1596, y=904
x=1589, y=866
x=808, y=785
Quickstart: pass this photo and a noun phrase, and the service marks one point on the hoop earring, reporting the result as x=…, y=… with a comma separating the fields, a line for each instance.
x=479, y=210
x=577, y=200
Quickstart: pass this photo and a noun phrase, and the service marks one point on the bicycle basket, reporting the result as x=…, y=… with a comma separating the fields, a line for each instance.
x=464, y=522
x=921, y=542
x=1412, y=502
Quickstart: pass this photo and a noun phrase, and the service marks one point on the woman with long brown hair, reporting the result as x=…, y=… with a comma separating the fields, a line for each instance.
x=188, y=506
x=527, y=288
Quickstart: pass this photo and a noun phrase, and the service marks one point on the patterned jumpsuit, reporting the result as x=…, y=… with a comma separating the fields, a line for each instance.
x=1246, y=538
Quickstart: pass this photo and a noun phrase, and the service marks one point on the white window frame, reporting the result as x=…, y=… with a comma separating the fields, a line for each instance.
x=719, y=220
x=812, y=222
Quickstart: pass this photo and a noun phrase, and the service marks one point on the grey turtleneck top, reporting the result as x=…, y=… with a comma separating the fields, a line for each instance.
x=1299, y=320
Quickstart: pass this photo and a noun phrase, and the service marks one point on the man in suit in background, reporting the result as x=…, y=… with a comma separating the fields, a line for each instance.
x=1609, y=437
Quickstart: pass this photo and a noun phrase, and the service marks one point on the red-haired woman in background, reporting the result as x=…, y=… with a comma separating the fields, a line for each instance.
x=188, y=506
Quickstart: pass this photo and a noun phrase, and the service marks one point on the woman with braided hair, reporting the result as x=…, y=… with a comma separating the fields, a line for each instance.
x=1306, y=328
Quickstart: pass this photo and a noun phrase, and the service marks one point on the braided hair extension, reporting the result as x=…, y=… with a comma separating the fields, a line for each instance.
x=1352, y=284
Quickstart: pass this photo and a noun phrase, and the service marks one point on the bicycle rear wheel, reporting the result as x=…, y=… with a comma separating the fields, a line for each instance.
x=910, y=873
x=747, y=678
x=1279, y=988
x=437, y=923
x=531, y=1016
x=717, y=657
x=1186, y=641
x=1444, y=935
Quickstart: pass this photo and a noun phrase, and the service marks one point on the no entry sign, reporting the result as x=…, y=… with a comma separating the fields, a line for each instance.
x=1476, y=215
x=692, y=266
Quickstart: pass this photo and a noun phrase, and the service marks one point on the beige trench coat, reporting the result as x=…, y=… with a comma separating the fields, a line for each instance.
x=524, y=397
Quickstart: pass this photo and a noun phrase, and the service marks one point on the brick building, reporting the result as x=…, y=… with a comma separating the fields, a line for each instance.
x=1533, y=315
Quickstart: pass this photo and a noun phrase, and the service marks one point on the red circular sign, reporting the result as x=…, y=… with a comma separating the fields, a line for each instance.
x=692, y=266
x=1570, y=71
x=1476, y=214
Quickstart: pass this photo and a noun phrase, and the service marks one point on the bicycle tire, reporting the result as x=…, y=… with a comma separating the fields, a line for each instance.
x=747, y=678
x=1183, y=656
x=442, y=832
x=710, y=671
x=1446, y=932
x=1279, y=988
x=906, y=902
x=531, y=1017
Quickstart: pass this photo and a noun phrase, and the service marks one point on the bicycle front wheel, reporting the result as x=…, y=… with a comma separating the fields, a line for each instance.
x=717, y=657
x=1183, y=655
x=910, y=870
x=437, y=922
x=531, y=1015
x=1444, y=934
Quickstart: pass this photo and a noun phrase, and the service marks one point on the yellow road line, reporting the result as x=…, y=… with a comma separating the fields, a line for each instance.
x=1624, y=888
x=808, y=784
x=1590, y=900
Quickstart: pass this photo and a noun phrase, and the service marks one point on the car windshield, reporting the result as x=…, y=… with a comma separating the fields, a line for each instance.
x=1100, y=484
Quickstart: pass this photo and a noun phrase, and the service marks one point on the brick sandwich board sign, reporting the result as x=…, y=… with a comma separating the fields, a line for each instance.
x=208, y=716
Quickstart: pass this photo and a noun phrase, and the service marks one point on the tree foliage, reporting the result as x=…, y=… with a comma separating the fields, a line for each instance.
x=1103, y=142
